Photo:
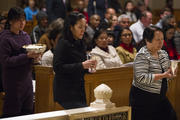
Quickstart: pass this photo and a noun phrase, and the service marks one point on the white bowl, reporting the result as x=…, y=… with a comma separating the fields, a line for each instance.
x=37, y=48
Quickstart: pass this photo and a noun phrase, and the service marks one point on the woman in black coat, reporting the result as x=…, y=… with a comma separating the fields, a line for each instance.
x=70, y=64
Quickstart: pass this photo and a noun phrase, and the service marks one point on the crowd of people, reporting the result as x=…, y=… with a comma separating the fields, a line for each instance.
x=111, y=34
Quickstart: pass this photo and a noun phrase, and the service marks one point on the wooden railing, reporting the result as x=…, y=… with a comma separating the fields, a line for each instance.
x=118, y=79
x=174, y=92
x=1, y=101
x=88, y=113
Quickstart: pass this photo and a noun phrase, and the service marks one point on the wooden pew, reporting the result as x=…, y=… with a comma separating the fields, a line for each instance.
x=1, y=102
x=174, y=92
x=44, y=90
x=119, y=79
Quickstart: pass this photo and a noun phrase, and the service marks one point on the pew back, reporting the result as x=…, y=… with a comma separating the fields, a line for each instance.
x=119, y=79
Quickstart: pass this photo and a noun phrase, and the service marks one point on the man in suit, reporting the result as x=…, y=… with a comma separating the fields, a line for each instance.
x=57, y=9
x=105, y=22
x=99, y=7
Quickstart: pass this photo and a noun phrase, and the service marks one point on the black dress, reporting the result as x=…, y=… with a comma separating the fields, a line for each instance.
x=151, y=106
x=68, y=84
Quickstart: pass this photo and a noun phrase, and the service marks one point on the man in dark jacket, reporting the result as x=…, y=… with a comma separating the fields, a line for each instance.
x=105, y=22
x=99, y=7
x=57, y=9
x=40, y=28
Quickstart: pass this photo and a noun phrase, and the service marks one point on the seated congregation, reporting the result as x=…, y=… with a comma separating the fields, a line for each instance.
x=85, y=47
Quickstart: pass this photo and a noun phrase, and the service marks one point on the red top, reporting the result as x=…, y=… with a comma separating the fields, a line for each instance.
x=173, y=55
x=126, y=47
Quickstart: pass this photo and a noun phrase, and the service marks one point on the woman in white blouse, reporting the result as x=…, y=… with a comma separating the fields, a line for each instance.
x=54, y=33
x=105, y=55
x=129, y=10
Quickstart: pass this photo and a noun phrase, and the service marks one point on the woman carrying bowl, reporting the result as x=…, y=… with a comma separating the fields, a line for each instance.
x=16, y=65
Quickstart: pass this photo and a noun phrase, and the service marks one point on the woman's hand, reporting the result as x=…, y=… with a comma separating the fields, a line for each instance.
x=34, y=55
x=89, y=64
x=168, y=74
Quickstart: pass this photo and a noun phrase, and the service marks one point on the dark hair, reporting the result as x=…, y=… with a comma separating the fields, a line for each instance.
x=55, y=28
x=166, y=19
x=148, y=36
x=14, y=13
x=125, y=5
x=110, y=33
x=144, y=14
x=148, y=33
x=111, y=20
x=71, y=20
x=164, y=10
x=120, y=33
x=140, y=3
x=96, y=35
x=166, y=28
x=40, y=15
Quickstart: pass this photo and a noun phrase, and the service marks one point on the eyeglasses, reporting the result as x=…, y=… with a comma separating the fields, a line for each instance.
x=125, y=35
x=102, y=38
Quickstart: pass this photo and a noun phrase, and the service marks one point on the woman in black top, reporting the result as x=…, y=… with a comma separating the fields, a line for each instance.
x=70, y=64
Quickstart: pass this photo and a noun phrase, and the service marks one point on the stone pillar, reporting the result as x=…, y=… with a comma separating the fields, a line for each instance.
x=103, y=94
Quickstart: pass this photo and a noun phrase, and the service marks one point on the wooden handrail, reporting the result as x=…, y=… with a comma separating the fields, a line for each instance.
x=118, y=79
